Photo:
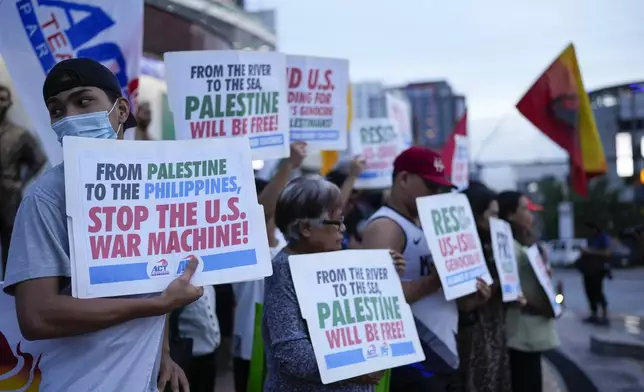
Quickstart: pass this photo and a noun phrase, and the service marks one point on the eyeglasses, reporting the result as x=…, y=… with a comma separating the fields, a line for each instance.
x=330, y=222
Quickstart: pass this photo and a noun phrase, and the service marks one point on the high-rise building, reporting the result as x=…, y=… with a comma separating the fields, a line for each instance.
x=435, y=111
x=619, y=113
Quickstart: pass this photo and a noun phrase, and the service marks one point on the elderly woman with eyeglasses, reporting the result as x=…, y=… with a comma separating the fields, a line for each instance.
x=309, y=214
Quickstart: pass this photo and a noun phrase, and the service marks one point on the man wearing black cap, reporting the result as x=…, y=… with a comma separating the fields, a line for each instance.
x=84, y=100
x=418, y=172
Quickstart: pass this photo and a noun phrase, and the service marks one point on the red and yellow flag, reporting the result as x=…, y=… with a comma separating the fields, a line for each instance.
x=330, y=158
x=559, y=106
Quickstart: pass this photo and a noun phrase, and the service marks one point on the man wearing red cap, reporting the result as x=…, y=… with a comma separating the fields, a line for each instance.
x=418, y=172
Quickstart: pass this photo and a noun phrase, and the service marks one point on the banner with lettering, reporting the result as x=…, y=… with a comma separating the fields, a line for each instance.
x=79, y=363
x=399, y=110
x=357, y=316
x=35, y=35
x=461, y=162
x=540, y=269
x=450, y=230
x=379, y=142
x=138, y=210
x=225, y=94
x=505, y=259
x=317, y=98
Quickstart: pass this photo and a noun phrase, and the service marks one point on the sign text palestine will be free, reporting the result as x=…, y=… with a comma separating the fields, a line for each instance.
x=359, y=306
x=250, y=109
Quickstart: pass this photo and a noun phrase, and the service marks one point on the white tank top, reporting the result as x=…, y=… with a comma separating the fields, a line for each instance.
x=436, y=318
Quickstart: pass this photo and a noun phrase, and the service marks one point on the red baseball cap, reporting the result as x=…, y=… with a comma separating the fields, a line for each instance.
x=533, y=206
x=424, y=162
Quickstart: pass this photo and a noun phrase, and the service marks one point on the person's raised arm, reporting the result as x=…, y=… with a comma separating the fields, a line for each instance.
x=43, y=313
x=355, y=168
x=384, y=233
x=268, y=197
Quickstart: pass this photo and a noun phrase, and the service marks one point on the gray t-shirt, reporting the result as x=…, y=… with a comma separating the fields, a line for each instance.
x=40, y=249
x=39, y=243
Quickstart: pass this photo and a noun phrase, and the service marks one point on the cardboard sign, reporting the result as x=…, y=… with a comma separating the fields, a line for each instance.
x=450, y=229
x=317, y=99
x=505, y=259
x=399, y=110
x=139, y=209
x=356, y=312
x=541, y=271
x=379, y=142
x=461, y=162
x=230, y=94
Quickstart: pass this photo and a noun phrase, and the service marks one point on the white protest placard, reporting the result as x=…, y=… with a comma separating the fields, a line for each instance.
x=317, y=98
x=505, y=259
x=357, y=316
x=461, y=162
x=62, y=364
x=379, y=142
x=224, y=94
x=540, y=269
x=399, y=110
x=139, y=209
x=450, y=230
x=35, y=35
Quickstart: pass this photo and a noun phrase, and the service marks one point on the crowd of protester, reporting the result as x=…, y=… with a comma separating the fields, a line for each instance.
x=474, y=344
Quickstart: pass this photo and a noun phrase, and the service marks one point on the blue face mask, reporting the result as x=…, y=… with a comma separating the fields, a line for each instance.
x=91, y=125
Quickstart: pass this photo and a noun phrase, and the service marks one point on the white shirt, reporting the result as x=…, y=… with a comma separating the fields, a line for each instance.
x=247, y=294
x=198, y=321
x=436, y=318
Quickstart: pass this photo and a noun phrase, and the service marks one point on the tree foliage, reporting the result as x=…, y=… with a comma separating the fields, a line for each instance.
x=602, y=207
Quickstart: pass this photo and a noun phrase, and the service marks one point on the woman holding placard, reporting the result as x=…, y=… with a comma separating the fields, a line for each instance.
x=481, y=331
x=531, y=328
x=309, y=214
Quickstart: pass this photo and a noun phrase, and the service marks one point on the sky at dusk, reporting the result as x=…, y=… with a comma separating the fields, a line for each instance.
x=490, y=51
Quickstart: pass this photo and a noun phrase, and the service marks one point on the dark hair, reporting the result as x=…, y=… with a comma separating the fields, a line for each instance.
x=260, y=185
x=508, y=205
x=5, y=88
x=480, y=198
x=337, y=177
x=304, y=198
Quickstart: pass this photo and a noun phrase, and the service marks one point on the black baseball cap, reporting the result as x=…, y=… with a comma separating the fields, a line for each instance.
x=82, y=72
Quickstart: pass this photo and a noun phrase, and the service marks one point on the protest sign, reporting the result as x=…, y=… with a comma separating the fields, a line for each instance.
x=539, y=267
x=505, y=259
x=357, y=316
x=399, y=110
x=139, y=209
x=450, y=230
x=227, y=94
x=79, y=363
x=379, y=142
x=35, y=35
x=460, y=175
x=317, y=98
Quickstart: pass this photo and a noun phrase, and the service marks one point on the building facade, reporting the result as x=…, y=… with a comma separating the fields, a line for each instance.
x=174, y=25
x=619, y=113
x=435, y=111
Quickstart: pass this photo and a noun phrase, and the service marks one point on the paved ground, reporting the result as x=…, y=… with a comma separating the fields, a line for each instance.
x=625, y=294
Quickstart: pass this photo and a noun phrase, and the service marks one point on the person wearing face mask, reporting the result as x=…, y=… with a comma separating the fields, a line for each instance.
x=112, y=344
x=21, y=159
